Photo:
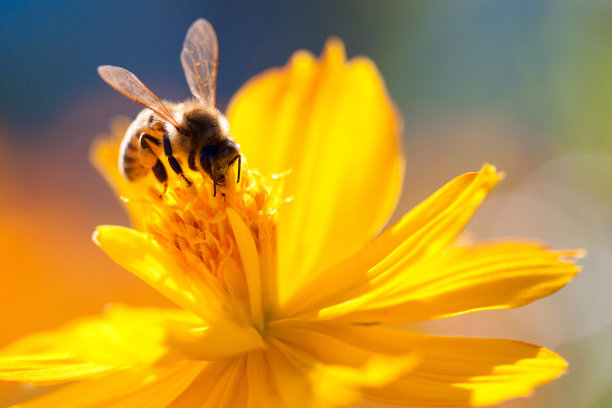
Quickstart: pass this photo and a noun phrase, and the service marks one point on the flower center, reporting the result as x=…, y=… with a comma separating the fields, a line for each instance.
x=195, y=228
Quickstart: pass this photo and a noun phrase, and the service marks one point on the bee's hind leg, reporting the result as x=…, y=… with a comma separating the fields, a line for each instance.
x=150, y=159
x=146, y=154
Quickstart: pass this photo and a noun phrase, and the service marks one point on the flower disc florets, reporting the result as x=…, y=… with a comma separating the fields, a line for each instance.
x=193, y=226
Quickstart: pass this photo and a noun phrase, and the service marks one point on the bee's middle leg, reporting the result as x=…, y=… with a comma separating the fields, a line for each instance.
x=172, y=161
x=160, y=173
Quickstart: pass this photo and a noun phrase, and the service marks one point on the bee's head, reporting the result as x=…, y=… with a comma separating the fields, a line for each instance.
x=216, y=160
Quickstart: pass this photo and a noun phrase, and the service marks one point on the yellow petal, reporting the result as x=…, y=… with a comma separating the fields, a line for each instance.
x=287, y=377
x=505, y=369
x=488, y=275
x=342, y=386
x=153, y=387
x=336, y=369
x=333, y=125
x=261, y=389
x=219, y=334
x=47, y=369
x=316, y=342
x=104, y=154
x=142, y=256
x=274, y=378
x=122, y=337
x=250, y=264
x=455, y=371
x=304, y=381
x=421, y=234
x=221, y=340
x=105, y=157
x=219, y=385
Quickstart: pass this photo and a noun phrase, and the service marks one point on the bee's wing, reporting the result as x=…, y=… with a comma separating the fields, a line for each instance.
x=130, y=86
x=199, y=58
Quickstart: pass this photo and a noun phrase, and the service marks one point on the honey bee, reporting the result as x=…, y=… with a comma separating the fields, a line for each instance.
x=192, y=132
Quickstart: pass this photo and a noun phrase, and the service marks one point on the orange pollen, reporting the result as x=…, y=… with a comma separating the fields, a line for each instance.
x=193, y=226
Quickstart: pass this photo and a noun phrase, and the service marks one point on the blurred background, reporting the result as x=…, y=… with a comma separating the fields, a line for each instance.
x=523, y=84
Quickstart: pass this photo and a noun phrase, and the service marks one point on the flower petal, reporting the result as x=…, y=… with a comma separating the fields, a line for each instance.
x=261, y=389
x=455, y=371
x=336, y=369
x=287, y=376
x=333, y=125
x=338, y=385
x=146, y=259
x=315, y=341
x=105, y=157
x=422, y=233
x=151, y=387
x=329, y=385
x=483, y=276
x=142, y=256
x=47, y=369
x=222, y=340
x=218, y=385
x=122, y=337
x=505, y=370
x=250, y=264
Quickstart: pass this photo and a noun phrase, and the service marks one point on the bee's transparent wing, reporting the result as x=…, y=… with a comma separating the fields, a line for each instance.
x=199, y=58
x=126, y=83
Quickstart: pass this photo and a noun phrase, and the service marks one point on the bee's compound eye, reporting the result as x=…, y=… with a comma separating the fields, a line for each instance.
x=226, y=151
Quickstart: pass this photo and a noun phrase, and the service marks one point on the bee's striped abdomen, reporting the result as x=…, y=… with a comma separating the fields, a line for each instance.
x=129, y=159
x=137, y=157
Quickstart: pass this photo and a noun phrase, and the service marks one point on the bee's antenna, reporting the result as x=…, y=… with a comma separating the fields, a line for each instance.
x=239, y=157
x=214, y=179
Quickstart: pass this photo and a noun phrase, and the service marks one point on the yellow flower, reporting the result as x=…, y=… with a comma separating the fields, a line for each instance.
x=288, y=302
